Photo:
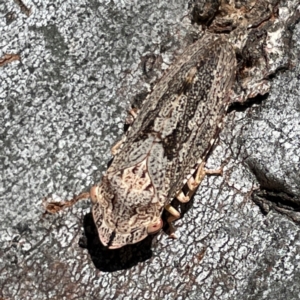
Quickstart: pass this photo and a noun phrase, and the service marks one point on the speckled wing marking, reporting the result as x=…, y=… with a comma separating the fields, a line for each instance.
x=170, y=137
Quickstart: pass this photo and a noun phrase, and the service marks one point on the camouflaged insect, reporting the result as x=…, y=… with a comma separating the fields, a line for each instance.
x=164, y=151
x=166, y=145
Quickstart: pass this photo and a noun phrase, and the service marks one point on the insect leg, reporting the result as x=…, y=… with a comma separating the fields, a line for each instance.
x=174, y=215
x=131, y=116
x=54, y=207
x=114, y=149
x=194, y=182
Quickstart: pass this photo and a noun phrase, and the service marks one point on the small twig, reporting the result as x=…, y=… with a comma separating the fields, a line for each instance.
x=8, y=58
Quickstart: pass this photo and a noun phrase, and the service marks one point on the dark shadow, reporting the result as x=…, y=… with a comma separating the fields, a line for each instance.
x=183, y=208
x=108, y=260
x=277, y=199
x=238, y=106
x=285, y=204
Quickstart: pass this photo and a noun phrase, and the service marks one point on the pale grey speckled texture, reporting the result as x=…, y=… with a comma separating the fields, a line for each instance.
x=63, y=106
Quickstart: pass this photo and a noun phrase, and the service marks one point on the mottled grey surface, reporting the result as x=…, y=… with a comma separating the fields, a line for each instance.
x=62, y=107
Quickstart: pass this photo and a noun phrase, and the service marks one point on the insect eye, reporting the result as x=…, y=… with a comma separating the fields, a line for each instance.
x=155, y=227
x=93, y=194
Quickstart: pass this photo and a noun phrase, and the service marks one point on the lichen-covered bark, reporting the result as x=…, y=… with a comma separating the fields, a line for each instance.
x=63, y=106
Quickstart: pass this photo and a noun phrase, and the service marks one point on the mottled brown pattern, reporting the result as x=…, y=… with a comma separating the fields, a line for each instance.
x=170, y=137
x=181, y=119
